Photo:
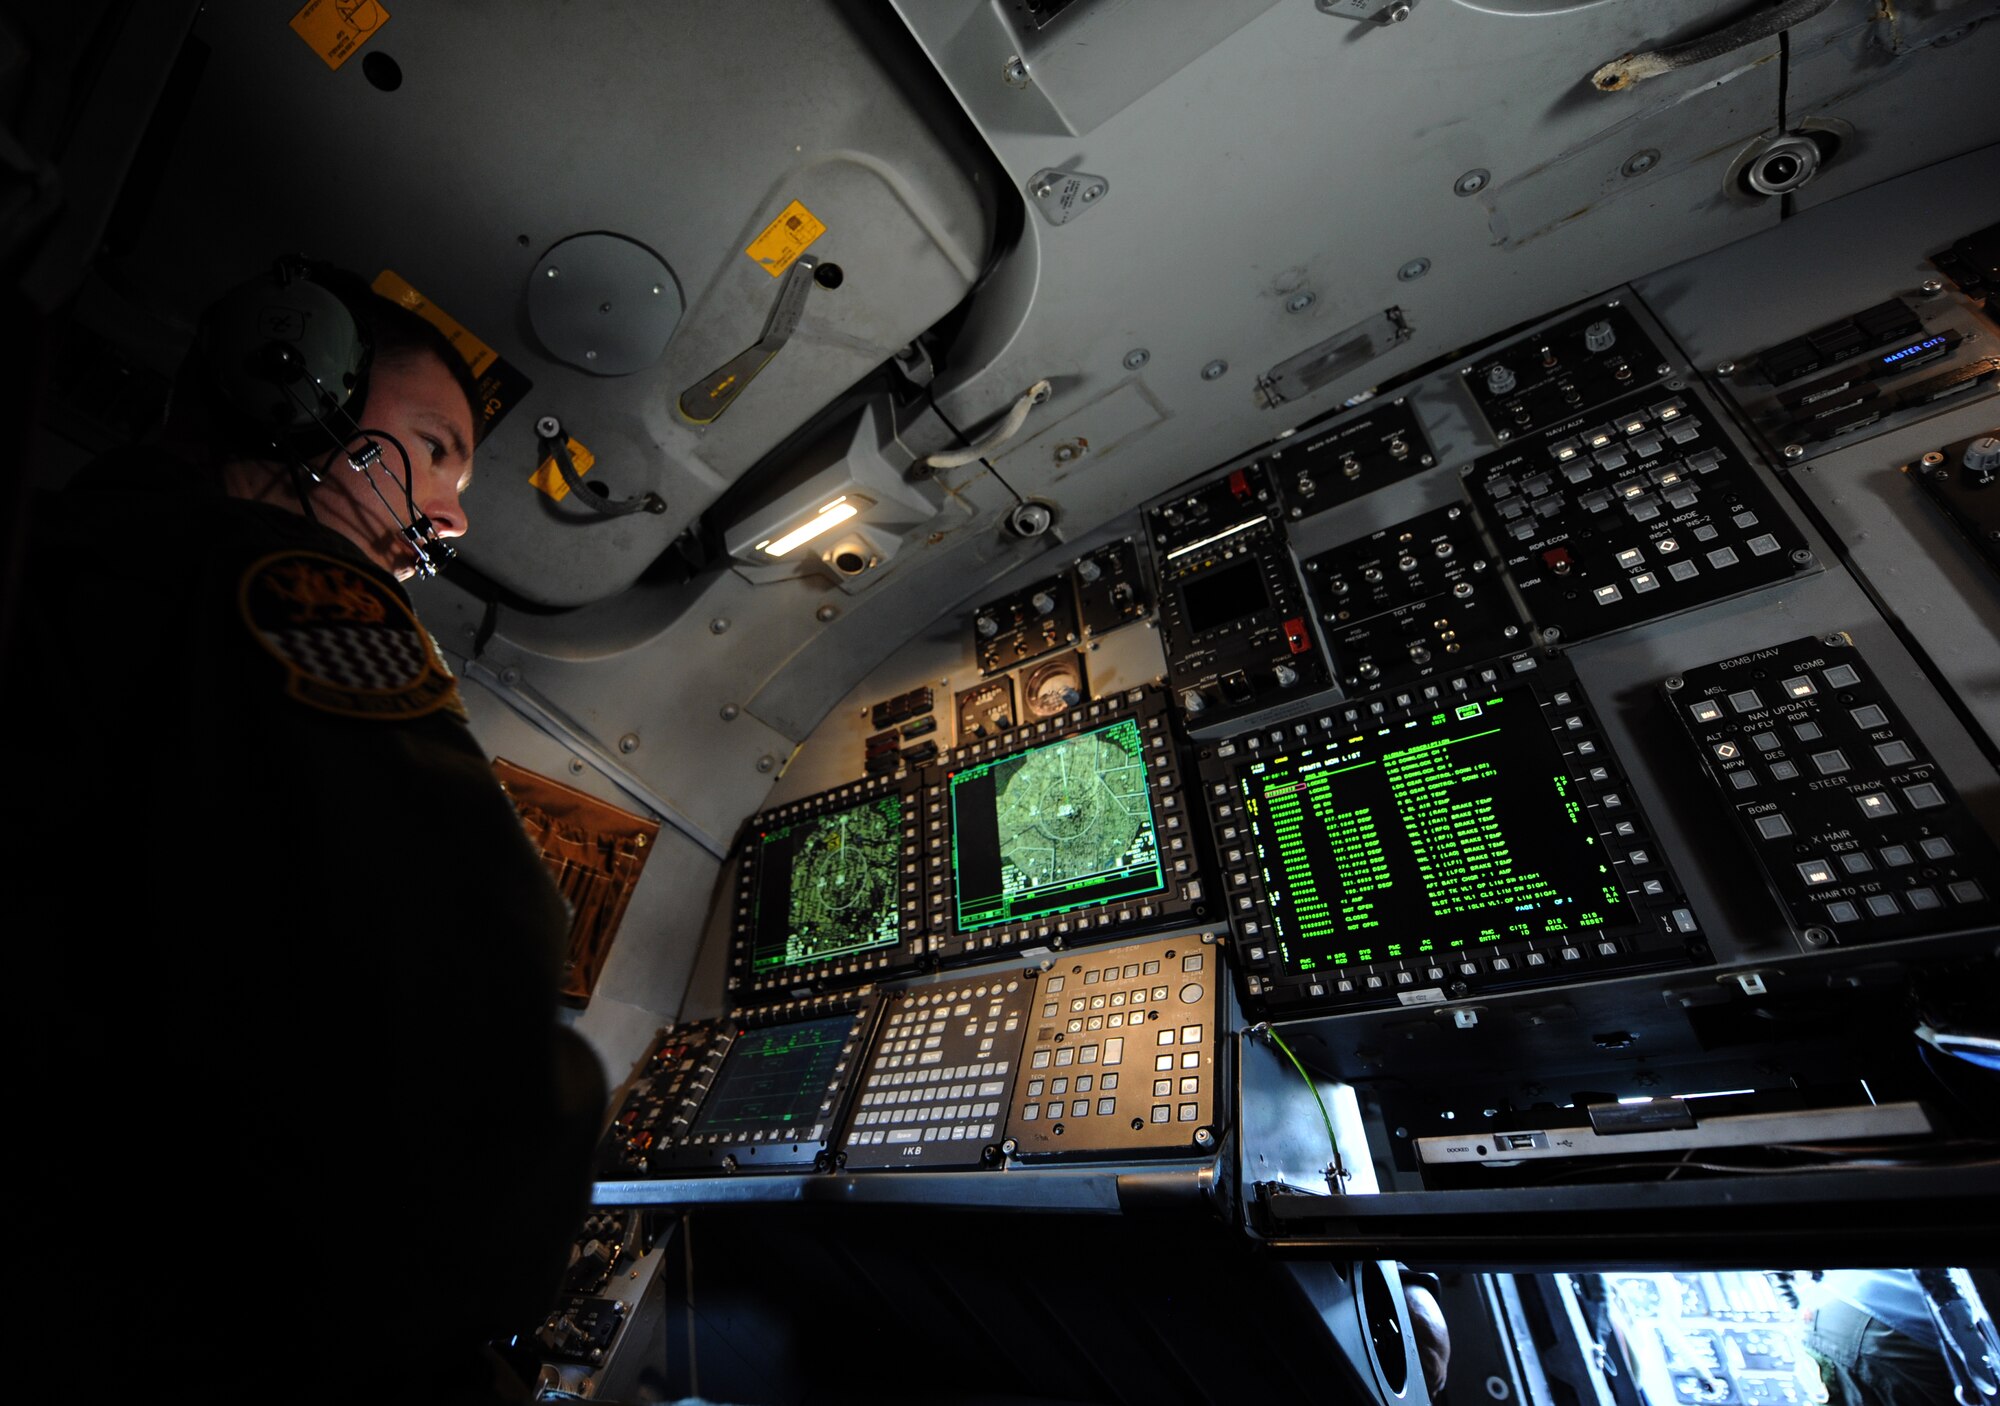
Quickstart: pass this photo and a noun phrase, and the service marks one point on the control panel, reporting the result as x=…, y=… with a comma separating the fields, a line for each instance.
x=1233, y=620
x=1359, y=452
x=1025, y=625
x=1585, y=360
x=1963, y=479
x=827, y=891
x=1412, y=600
x=1471, y=834
x=934, y=1091
x=583, y=1324
x=1630, y=513
x=660, y=1106
x=1859, y=832
x=1120, y=1057
x=1110, y=588
x=1067, y=830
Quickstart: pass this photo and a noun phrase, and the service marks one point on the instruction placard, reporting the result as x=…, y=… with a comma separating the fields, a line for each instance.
x=337, y=28
x=785, y=238
x=501, y=386
x=549, y=478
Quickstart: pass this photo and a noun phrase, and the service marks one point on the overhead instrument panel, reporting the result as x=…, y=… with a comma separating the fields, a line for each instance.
x=1627, y=513
x=1474, y=834
x=1590, y=357
x=934, y=1091
x=1068, y=830
x=1233, y=620
x=1120, y=1059
x=1415, y=599
x=826, y=892
x=1361, y=451
x=1860, y=833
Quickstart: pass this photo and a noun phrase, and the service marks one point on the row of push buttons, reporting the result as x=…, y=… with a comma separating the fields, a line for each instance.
x=1921, y=899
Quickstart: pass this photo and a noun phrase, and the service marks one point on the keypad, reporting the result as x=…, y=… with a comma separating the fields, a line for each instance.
x=1858, y=830
x=935, y=1090
x=1145, y=1085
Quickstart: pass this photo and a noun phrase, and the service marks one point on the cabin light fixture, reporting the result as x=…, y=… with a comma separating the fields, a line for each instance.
x=829, y=516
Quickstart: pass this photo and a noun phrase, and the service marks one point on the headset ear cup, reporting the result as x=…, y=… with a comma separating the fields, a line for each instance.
x=285, y=358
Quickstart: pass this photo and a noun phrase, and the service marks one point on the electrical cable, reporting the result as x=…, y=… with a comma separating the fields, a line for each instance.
x=1339, y=1169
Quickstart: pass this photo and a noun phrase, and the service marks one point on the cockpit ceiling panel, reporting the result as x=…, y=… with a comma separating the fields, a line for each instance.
x=458, y=145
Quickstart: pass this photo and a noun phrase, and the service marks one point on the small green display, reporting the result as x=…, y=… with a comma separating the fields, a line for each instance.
x=1054, y=828
x=826, y=886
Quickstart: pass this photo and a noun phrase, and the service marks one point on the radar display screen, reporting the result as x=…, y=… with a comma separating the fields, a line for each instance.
x=1444, y=831
x=775, y=1081
x=1065, y=825
x=826, y=886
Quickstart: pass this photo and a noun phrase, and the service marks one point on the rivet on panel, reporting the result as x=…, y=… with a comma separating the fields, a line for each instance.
x=1414, y=269
x=1640, y=162
x=1472, y=182
x=719, y=625
x=1136, y=358
x=1214, y=370
x=1299, y=302
x=629, y=743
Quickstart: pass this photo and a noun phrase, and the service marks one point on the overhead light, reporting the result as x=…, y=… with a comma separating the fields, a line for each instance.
x=830, y=516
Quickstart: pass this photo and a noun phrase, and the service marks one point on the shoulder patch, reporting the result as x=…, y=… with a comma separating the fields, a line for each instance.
x=348, y=643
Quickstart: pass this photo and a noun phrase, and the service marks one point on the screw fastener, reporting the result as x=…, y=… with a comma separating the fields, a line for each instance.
x=1472, y=182
x=1136, y=358
x=1214, y=370
x=1794, y=452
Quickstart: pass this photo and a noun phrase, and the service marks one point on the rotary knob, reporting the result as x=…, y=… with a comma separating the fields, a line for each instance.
x=987, y=626
x=1982, y=460
x=1500, y=380
x=1599, y=337
x=1044, y=603
x=1194, y=703
x=1286, y=675
x=1088, y=571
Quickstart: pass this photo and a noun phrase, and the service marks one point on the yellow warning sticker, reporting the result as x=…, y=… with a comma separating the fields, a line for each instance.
x=549, y=478
x=785, y=238
x=396, y=289
x=337, y=28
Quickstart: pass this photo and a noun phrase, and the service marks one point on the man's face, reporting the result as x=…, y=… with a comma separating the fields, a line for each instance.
x=418, y=401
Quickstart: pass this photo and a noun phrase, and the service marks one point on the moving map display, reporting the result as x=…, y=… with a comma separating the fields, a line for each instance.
x=1065, y=825
x=1452, y=831
x=826, y=885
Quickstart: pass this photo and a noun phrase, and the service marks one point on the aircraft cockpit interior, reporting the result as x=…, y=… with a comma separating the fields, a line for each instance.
x=1224, y=692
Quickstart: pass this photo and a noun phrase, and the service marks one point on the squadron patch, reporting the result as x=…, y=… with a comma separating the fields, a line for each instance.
x=348, y=643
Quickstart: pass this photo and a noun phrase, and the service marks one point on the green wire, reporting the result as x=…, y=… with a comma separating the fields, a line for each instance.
x=1279, y=1040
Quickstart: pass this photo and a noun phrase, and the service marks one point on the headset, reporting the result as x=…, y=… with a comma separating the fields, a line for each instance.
x=285, y=355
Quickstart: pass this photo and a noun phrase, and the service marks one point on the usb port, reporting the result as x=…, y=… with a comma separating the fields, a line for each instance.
x=1515, y=1142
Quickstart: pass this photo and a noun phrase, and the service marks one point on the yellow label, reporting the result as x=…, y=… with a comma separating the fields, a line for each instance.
x=785, y=238
x=477, y=354
x=336, y=28
x=549, y=478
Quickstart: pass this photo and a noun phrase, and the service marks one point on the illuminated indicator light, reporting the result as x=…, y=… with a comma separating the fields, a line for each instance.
x=1915, y=349
x=826, y=519
x=1800, y=687
x=1670, y=412
x=1207, y=541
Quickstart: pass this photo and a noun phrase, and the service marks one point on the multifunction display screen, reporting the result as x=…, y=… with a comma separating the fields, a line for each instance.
x=826, y=886
x=1065, y=825
x=1450, y=831
x=775, y=1079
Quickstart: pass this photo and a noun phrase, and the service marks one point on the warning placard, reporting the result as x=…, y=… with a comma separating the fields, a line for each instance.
x=785, y=238
x=336, y=28
x=501, y=386
x=549, y=478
